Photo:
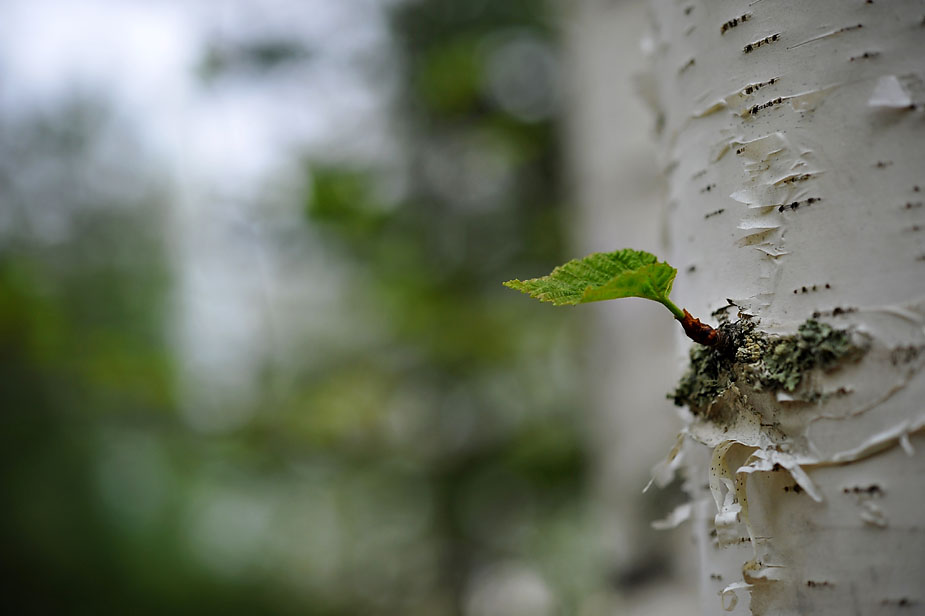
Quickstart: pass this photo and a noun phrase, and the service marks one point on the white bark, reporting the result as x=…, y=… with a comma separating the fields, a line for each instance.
x=794, y=144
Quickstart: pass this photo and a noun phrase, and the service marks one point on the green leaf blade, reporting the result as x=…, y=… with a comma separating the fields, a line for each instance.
x=601, y=276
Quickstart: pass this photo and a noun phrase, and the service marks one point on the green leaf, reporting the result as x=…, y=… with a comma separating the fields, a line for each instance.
x=604, y=275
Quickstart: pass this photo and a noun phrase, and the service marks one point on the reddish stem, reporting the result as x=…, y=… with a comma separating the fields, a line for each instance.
x=701, y=332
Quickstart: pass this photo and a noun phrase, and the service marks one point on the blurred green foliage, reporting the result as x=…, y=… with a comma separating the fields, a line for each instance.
x=380, y=473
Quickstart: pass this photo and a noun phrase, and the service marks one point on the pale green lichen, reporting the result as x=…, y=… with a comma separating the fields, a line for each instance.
x=816, y=346
x=764, y=362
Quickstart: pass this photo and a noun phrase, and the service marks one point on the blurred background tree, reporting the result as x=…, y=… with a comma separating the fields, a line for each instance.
x=420, y=451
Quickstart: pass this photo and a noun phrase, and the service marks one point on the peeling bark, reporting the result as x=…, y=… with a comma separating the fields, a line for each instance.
x=808, y=127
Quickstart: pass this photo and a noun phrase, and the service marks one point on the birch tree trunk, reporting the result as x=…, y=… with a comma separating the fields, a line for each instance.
x=793, y=138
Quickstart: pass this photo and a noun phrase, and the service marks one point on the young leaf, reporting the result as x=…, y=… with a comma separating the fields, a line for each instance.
x=604, y=275
x=623, y=273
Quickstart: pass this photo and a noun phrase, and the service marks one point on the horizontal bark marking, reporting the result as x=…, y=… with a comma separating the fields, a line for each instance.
x=773, y=38
x=827, y=35
x=734, y=22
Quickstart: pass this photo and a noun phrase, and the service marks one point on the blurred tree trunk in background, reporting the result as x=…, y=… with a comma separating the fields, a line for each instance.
x=792, y=143
x=615, y=183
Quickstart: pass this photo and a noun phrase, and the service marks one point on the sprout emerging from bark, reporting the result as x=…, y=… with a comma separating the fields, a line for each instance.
x=613, y=275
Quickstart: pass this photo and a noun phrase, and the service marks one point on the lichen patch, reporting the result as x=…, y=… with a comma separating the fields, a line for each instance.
x=763, y=362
